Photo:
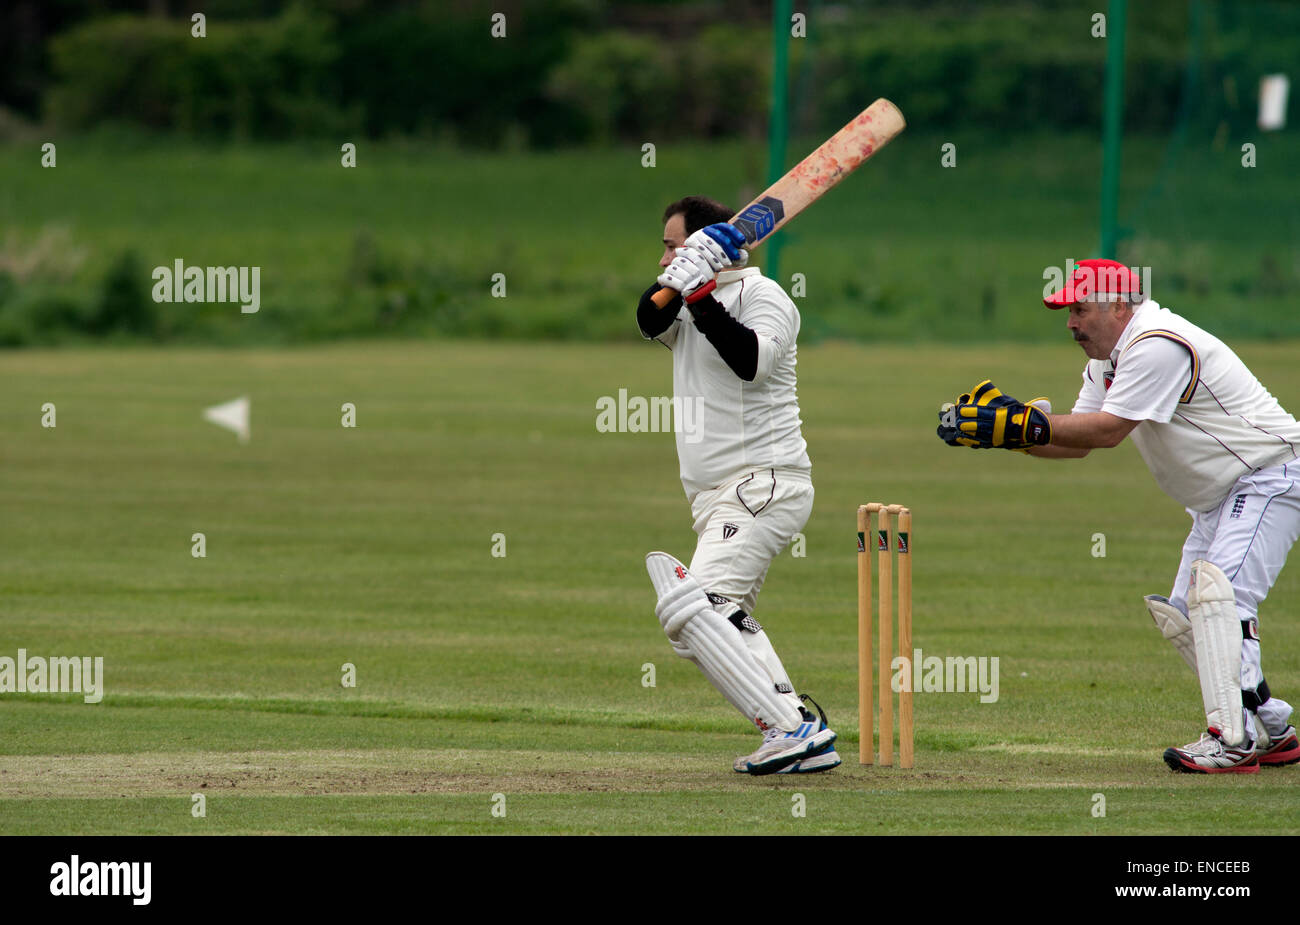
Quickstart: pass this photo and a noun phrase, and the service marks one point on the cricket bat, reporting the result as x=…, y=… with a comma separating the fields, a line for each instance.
x=840, y=155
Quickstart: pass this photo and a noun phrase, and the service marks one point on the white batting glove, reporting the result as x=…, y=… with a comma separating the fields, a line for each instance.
x=688, y=271
x=720, y=245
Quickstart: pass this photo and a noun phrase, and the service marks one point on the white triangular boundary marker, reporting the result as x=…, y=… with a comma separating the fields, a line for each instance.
x=1273, y=90
x=232, y=415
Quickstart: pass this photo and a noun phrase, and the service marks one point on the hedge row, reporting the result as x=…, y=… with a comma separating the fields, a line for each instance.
x=559, y=76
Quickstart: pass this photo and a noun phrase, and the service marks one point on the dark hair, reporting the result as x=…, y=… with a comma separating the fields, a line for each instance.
x=697, y=212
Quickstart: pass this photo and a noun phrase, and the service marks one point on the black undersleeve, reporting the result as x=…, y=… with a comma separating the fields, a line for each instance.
x=652, y=319
x=735, y=343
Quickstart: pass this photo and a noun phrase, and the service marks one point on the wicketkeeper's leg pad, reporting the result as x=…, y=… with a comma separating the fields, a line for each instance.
x=1174, y=625
x=1216, y=627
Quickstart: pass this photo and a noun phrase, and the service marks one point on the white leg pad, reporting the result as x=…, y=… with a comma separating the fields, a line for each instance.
x=681, y=598
x=708, y=639
x=1174, y=626
x=1216, y=627
x=761, y=648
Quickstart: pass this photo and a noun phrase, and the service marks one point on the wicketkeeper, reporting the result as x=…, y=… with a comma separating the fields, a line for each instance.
x=748, y=480
x=1219, y=444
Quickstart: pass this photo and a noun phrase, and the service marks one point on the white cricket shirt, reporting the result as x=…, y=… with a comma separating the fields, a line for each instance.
x=1205, y=419
x=744, y=425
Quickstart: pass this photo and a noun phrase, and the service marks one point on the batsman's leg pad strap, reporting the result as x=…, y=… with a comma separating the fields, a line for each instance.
x=1216, y=626
x=745, y=623
x=1174, y=625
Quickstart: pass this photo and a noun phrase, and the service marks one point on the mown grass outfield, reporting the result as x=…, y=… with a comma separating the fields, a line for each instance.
x=522, y=675
x=409, y=242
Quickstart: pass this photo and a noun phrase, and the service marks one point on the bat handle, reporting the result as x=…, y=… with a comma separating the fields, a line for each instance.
x=664, y=296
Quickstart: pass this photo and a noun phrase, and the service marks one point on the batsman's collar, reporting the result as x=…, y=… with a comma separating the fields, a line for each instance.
x=1095, y=280
x=730, y=276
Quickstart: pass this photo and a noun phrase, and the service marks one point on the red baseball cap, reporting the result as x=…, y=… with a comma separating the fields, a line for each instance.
x=1096, y=277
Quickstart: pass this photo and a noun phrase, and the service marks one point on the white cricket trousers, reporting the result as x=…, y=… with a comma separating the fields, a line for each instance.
x=1248, y=536
x=743, y=525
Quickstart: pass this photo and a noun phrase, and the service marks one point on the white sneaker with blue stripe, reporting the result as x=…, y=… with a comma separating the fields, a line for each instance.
x=823, y=760
x=780, y=749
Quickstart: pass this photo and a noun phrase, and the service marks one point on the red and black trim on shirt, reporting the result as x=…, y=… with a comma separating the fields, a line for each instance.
x=1195, y=376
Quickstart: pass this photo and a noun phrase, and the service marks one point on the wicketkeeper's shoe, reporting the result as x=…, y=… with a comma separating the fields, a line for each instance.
x=1283, y=749
x=1211, y=755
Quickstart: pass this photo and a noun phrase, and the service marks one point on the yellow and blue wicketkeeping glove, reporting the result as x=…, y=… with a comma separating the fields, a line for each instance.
x=986, y=418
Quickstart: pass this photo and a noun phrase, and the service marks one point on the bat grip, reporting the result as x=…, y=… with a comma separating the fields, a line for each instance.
x=664, y=296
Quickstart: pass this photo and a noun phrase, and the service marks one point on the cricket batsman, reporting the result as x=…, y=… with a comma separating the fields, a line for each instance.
x=748, y=478
x=1217, y=443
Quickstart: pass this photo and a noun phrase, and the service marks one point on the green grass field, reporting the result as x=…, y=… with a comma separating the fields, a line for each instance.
x=410, y=240
x=522, y=675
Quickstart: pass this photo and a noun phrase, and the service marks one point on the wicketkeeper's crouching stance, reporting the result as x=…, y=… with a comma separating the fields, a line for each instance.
x=746, y=472
x=1218, y=443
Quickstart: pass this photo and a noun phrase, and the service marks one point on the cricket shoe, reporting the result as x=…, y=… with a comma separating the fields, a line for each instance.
x=1283, y=749
x=780, y=749
x=819, y=760
x=823, y=760
x=1211, y=755
x=741, y=764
